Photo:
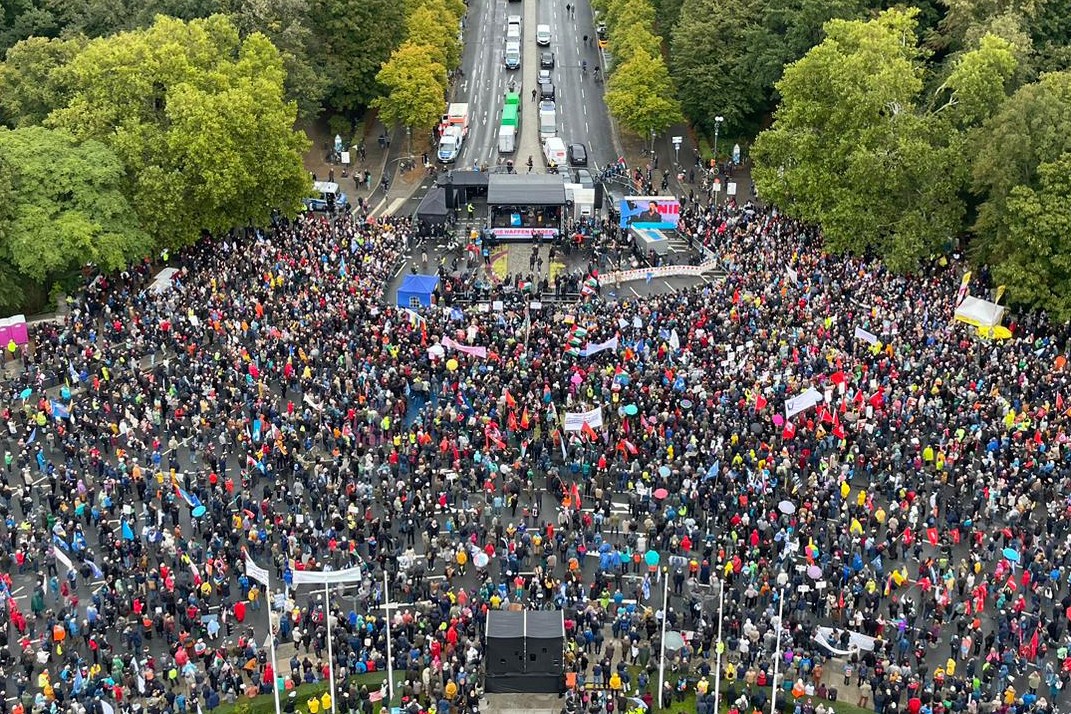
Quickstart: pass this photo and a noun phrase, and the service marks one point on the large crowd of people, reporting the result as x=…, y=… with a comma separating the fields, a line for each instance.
x=905, y=538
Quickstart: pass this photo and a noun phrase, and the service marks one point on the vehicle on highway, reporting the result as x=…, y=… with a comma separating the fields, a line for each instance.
x=513, y=19
x=547, y=105
x=543, y=35
x=546, y=59
x=546, y=91
x=513, y=33
x=578, y=155
x=544, y=76
x=584, y=178
x=508, y=133
x=326, y=195
x=512, y=58
x=548, y=123
x=554, y=151
x=453, y=129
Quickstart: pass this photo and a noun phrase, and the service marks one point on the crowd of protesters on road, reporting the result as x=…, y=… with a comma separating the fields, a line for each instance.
x=918, y=510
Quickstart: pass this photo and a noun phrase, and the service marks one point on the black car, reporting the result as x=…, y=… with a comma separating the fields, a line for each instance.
x=578, y=155
x=546, y=91
x=546, y=60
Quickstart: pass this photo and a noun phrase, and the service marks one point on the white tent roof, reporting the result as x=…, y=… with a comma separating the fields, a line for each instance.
x=980, y=313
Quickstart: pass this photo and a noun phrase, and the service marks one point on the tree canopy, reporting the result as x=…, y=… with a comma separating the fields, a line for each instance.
x=65, y=204
x=416, y=83
x=197, y=116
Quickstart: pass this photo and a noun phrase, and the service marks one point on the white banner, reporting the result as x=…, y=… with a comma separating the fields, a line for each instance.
x=575, y=420
x=62, y=557
x=865, y=336
x=327, y=577
x=255, y=571
x=802, y=403
x=594, y=348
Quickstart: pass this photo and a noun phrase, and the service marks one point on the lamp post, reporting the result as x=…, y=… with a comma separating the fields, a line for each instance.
x=720, y=647
x=717, y=125
x=777, y=653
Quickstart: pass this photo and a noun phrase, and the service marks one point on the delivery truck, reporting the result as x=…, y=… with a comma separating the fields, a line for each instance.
x=453, y=130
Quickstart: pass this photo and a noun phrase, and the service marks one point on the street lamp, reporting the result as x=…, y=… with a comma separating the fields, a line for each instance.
x=717, y=125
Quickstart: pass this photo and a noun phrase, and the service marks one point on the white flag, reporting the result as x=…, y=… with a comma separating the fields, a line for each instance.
x=866, y=336
x=802, y=402
x=255, y=571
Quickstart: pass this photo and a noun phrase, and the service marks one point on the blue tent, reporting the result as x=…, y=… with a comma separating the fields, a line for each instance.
x=415, y=290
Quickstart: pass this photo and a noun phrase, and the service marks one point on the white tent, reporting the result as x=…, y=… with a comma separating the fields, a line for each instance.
x=978, y=312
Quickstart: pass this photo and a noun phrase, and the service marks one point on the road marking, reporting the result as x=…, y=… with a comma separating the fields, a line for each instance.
x=633, y=291
x=668, y=285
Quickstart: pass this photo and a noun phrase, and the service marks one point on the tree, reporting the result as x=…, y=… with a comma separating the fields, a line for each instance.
x=727, y=55
x=434, y=25
x=855, y=148
x=416, y=86
x=1033, y=127
x=197, y=116
x=640, y=95
x=1036, y=264
x=286, y=24
x=29, y=84
x=624, y=43
x=353, y=38
x=79, y=214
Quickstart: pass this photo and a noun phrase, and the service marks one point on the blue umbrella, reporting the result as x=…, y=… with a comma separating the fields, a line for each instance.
x=1011, y=554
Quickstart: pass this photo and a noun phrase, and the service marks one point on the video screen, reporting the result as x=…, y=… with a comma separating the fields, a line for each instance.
x=650, y=212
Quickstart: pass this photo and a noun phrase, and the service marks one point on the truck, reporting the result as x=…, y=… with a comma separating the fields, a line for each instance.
x=453, y=130
x=509, y=132
x=554, y=152
x=548, y=124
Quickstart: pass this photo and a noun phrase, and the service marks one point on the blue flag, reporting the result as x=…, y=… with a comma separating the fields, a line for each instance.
x=33, y=437
x=257, y=428
x=97, y=572
x=128, y=532
x=59, y=411
x=60, y=542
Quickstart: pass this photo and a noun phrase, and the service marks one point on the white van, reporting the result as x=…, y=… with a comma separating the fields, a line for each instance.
x=513, y=33
x=548, y=124
x=554, y=151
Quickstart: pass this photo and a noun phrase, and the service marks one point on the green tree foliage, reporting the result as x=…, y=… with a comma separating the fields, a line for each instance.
x=1032, y=128
x=628, y=40
x=434, y=24
x=79, y=214
x=727, y=55
x=197, y=116
x=640, y=95
x=20, y=19
x=29, y=82
x=353, y=38
x=286, y=24
x=1036, y=266
x=416, y=86
x=856, y=148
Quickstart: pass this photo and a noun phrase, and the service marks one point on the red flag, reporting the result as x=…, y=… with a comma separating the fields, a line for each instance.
x=838, y=377
x=1037, y=436
x=511, y=421
x=826, y=415
x=760, y=402
x=1059, y=402
x=789, y=431
x=525, y=419
x=859, y=396
x=932, y=536
x=510, y=401
x=587, y=431
x=838, y=430
x=630, y=447
x=877, y=400
x=1011, y=584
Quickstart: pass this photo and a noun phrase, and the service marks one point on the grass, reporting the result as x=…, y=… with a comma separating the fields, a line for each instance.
x=265, y=703
x=785, y=701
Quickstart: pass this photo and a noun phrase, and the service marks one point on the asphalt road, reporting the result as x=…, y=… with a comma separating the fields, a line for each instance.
x=582, y=114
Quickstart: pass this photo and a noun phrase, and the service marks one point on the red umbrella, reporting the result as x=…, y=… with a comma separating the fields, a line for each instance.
x=660, y=493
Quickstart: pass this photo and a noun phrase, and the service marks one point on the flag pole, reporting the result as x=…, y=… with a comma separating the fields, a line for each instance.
x=390, y=657
x=720, y=646
x=271, y=648
x=330, y=656
x=777, y=655
x=662, y=646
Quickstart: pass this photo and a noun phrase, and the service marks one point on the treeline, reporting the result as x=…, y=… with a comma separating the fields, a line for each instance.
x=903, y=131
x=132, y=126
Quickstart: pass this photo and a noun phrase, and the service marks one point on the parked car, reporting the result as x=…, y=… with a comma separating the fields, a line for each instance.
x=544, y=76
x=547, y=105
x=584, y=178
x=546, y=91
x=578, y=155
x=546, y=59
